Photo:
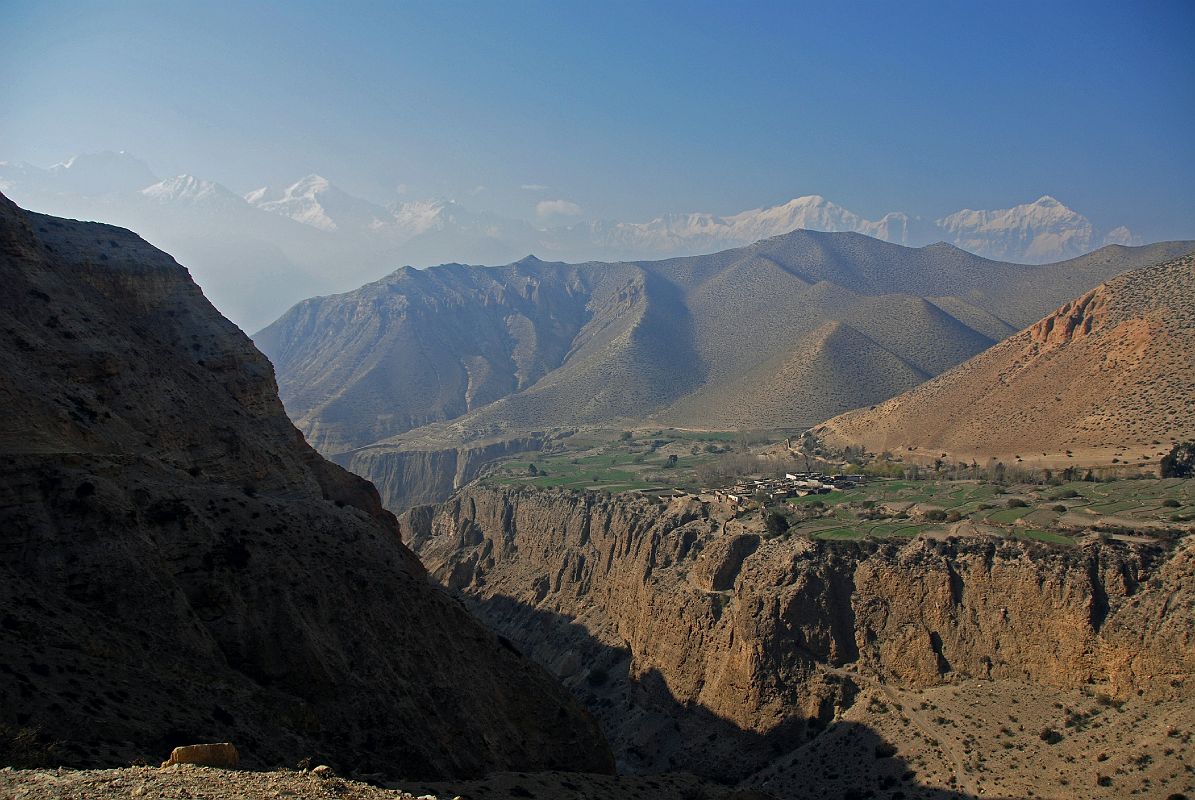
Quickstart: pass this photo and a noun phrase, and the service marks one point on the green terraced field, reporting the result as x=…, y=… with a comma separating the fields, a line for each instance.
x=641, y=463
x=1042, y=536
x=1038, y=520
x=606, y=461
x=1008, y=515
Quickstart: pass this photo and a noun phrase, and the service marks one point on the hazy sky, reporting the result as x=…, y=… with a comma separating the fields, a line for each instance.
x=627, y=110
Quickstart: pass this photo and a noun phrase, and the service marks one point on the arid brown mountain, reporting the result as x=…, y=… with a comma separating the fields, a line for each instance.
x=180, y=566
x=422, y=366
x=800, y=667
x=1109, y=375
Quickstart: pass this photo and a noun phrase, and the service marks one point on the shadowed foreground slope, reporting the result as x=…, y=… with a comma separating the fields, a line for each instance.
x=177, y=565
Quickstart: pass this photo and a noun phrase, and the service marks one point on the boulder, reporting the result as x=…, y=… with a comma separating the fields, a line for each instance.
x=222, y=754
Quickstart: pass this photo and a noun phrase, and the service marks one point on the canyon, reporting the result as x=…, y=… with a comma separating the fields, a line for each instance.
x=703, y=643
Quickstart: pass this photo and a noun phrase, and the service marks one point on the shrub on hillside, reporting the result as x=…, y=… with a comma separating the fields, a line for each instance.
x=1016, y=502
x=777, y=524
x=1180, y=461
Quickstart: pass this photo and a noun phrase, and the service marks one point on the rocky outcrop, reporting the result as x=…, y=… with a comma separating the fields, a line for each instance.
x=221, y=754
x=701, y=625
x=178, y=566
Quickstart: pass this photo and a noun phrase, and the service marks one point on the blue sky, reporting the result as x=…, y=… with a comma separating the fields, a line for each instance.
x=629, y=109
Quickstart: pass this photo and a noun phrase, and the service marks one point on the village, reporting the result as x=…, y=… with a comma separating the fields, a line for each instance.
x=793, y=484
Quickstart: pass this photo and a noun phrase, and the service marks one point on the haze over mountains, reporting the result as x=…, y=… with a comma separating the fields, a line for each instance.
x=256, y=255
x=393, y=378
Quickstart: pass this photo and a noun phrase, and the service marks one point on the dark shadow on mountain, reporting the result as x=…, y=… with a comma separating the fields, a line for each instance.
x=650, y=731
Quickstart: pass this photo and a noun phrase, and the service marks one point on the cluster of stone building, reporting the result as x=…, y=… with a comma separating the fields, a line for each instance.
x=793, y=484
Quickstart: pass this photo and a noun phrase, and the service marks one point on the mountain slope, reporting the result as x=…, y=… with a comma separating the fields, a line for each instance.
x=180, y=566
x=840, y=361
x=462, y=357
x=1112, y=369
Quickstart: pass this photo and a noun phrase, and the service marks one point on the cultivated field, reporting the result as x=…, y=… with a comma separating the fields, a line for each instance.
x=644, y=461
x=667, y=460
x=1056, y=514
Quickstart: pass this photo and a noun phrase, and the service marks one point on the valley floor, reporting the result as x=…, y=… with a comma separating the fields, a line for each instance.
x=999, y=739
x=989, y=739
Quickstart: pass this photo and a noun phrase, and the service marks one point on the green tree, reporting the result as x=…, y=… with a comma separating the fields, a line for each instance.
x=1180, y=461
x=777, y=524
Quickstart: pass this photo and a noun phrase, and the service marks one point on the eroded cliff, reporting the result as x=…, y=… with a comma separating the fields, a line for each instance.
x=703, y=644
x=422, y=475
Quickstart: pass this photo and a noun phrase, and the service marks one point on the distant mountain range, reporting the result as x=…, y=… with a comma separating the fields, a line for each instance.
x=258, y=254
x=398, y=379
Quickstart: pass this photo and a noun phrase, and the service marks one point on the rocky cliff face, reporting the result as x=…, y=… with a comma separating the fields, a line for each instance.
x=703, y=644
x=178, y=565
x=407, y=478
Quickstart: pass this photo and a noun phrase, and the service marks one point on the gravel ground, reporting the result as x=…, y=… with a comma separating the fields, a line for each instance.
x=183, y=782
x=188, y=782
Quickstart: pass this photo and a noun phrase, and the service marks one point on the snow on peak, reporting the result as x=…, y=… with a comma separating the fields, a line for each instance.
x=259, y=196
x=1122, y=235
x=1037, y=232
x=314, y=201
x=309, y=185
x=183, y=187
x=101, y=173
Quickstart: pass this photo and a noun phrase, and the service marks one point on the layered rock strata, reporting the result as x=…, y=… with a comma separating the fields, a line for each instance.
x=703, y=644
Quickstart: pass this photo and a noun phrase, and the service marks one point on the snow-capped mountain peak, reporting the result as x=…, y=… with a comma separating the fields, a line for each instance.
x=1044, y=230
x=313, y=200
x=188, y=191
x=433, y=230
x=184, y=187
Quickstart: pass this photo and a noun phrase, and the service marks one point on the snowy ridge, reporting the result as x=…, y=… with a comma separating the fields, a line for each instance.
x=1037, y=232
x=258, y=253
x=192, y=190
x=314, y=201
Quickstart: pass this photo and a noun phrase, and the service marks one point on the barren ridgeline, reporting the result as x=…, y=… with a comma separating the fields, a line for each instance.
x=1107, y=378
